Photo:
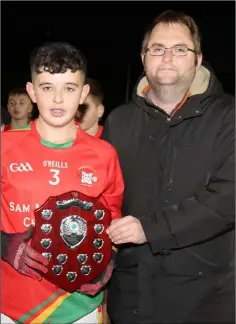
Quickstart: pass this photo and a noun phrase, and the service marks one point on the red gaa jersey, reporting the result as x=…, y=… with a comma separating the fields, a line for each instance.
x=32, y=172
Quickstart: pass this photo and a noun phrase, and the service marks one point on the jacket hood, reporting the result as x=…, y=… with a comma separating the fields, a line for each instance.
x=205, y=84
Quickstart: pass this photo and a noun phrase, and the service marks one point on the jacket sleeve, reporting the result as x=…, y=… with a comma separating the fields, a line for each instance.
x=209, y=212
x=113, y=194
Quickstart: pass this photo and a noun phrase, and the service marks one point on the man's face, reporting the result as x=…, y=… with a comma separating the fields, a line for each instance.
x=169, y=69
x=89, y=114
x=19, y=106
x=58, y=96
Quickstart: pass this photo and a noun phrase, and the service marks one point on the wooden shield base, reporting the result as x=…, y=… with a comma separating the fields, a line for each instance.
x=72, y=266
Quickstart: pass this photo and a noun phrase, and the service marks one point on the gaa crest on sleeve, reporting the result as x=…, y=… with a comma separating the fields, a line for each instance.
x=70, y=231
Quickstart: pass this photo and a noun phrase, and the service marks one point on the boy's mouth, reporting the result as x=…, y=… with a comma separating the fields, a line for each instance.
x=56, y=112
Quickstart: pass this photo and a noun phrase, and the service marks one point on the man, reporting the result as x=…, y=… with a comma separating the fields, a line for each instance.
x=91, y=111
x=175, y=141
x=19, y=107
x=53, y=156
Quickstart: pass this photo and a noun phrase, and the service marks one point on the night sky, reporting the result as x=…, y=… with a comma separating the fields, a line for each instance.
x=109, y=34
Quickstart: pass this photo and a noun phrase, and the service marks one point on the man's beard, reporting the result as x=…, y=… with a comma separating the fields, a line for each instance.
x=177, y=82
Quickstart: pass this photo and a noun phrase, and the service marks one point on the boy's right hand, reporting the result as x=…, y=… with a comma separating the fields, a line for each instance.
x=16, y=252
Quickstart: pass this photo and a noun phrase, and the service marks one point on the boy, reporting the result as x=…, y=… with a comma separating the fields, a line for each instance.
x=5, y=118
x=57, y=157
x=20, y=108
x=92, y=110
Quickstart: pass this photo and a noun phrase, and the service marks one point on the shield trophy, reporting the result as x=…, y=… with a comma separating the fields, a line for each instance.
x=70, y=231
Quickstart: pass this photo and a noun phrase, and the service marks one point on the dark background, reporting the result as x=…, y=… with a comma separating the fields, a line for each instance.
x=109, y=34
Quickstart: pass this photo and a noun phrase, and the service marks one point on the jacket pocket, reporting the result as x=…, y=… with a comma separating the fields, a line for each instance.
x=209, y=257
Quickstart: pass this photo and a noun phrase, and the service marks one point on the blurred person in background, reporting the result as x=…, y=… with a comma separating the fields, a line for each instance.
x=5, y=118
x=20, y=108
x=91, y=111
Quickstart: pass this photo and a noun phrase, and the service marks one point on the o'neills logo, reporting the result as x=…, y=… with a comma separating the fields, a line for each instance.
x=87, y=176
x=55, y=164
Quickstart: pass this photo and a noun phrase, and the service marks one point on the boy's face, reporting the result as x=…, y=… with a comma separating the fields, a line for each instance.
x=93, y=112
x=58, y=96
x=19, y=106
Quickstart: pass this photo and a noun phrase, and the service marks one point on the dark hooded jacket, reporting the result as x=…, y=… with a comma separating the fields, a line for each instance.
x=179, y=182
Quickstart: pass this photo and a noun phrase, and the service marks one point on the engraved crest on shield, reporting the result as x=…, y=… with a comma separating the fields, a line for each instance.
x=46, y=213
x=46, y=228
x=73, y=230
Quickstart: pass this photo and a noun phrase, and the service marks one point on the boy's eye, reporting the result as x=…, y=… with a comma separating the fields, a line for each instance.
x=70, y=89
x=47, y=88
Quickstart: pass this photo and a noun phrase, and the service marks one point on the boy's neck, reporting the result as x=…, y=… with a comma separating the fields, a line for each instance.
x=19, y=123
x=93, y=130
x=56, y=135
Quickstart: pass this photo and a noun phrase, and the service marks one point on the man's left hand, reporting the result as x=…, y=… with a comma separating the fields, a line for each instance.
x=127, y=229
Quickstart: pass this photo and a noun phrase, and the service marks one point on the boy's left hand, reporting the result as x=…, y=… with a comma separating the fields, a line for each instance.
x=97, y=284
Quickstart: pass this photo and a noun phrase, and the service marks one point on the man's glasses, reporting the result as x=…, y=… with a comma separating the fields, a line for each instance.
x=177, y=50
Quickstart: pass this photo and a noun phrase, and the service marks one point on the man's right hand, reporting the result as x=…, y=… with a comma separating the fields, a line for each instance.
x=24, y=259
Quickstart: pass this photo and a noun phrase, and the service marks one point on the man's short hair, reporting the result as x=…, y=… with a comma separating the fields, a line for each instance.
x=175, y=17
x=57, y=57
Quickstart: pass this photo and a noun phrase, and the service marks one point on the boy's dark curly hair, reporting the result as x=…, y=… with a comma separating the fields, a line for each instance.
x=57, y=58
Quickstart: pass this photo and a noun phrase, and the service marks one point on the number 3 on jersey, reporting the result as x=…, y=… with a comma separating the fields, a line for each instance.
x=55, y=177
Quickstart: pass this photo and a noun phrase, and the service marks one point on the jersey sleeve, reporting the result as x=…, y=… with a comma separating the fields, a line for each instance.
x=9, y=141
x=3, y=182
x=113, y=193
x=4, y=218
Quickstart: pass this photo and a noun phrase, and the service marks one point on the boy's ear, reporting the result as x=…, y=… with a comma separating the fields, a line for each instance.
x=100, y=111
x=30, y=90
x=84, y=93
